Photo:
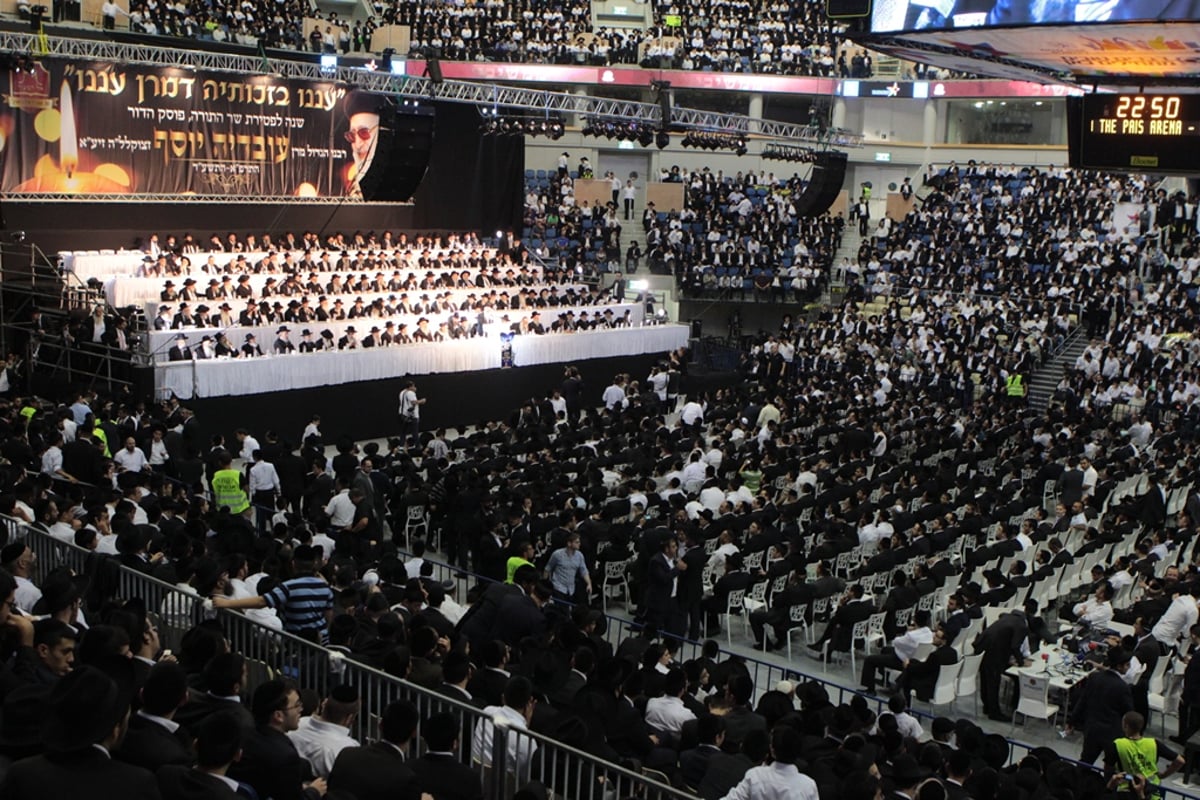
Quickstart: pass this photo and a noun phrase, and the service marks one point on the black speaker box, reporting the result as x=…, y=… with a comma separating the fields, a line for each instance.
x=828, y=175
x=401, y=155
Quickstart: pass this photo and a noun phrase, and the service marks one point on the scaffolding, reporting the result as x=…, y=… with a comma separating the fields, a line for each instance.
x=482, y=95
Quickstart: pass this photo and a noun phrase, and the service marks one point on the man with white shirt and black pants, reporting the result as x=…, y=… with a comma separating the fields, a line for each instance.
x=1177, y=620
x=780, y=780
x=901, y=652
x=263, y=484
x=667, y=714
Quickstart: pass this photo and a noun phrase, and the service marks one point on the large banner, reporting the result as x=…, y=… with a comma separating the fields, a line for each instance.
x=86, y=128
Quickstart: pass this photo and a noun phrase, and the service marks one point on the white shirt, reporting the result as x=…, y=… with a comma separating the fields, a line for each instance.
x=340, y=509
x=158, y=453
x=692, y=413
x=263, y=478
x=27, y=594
x=667, y=714
x=52, y=460
x=1095, y=614
x=775, y=782
x=319, y=742
x=249, y=445
x=520, y=748
x=614, y=396
x=1177, y=620
x=906, y=643
x=131, y=461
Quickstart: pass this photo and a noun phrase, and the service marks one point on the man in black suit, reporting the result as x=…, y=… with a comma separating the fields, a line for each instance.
x=180, y=350
x=691, y=581
x=218, y=746
x=1000, y=642
x=270, y=764
x=86, y=717
x=521, y=615
x=693, y=763
x=663, y=576
x=735, y=579
x=958, y=772
x=154, y=738
x=379, y=771
x=740, y=720
x=1099, y=708
x=726, y=770
x=439, y=772
x=478, y=624
x=223, y=678
x=487, y=685
x=854, y=607
x=921, y=676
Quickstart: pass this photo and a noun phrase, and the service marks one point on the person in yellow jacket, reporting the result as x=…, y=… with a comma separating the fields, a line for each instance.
x=229, y=487
x=1134, y=754
x=1014, y=387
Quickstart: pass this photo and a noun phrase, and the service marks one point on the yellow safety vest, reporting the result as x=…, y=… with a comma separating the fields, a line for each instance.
x=227, y=491
x=1138, y=756
x=1014, y=386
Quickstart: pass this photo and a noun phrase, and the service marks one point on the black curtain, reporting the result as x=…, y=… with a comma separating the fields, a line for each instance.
x=474, y=182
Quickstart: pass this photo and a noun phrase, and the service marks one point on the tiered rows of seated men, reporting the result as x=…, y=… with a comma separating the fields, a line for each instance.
x=740, y=233
x=473, y=292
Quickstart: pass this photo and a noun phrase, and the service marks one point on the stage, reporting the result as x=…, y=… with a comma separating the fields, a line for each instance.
x=368, y=409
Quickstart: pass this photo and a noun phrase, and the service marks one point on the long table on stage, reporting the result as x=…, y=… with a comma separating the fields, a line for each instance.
x=225, y=377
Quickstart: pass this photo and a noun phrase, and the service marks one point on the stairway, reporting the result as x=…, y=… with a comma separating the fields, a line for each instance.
x=1043, y=382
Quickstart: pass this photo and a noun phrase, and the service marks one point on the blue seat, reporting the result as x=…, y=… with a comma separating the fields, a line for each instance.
x=530, y=174
x=542, y=174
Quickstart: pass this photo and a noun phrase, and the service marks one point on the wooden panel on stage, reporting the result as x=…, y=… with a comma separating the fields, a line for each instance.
x=897, y=206
x=91, y=11
x=841, y=204
x=593, y=191
x=665, y=196
x=396, y=37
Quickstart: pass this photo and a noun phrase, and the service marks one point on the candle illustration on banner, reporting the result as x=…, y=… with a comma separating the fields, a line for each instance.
x=66, y=176
x=68, y=145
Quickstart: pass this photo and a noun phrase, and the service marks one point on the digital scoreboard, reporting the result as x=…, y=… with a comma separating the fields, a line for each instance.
x=1150, y=132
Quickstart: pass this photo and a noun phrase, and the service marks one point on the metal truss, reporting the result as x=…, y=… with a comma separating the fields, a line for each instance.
x=186, y=199
x=483, y=95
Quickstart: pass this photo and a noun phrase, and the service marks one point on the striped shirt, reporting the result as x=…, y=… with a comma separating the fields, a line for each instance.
x=302, y=604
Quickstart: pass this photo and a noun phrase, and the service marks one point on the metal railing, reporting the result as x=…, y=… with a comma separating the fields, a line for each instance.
x=516, y=756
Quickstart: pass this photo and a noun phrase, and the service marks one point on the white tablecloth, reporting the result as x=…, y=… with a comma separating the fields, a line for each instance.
x=161, y=341
x=597, y=344
x=216, y=378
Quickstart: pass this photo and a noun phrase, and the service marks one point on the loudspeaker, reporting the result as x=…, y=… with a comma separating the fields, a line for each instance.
x=433, y=68
x=828, y=174
x=847, y=9
x=697, y=329
x=401, y=155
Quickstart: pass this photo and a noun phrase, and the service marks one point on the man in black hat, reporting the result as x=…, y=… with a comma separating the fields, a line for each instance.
x=180, y=350
x=283, y=344
x=85, y=721
x=362, y=134
x=251, y=349
x=349, y=341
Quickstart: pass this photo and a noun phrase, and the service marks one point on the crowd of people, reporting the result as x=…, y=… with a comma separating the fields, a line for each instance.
x=705, y=35
x=856, y=464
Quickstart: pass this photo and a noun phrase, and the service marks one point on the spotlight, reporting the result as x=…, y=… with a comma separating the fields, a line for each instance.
x=662, y=139
x=645, y=137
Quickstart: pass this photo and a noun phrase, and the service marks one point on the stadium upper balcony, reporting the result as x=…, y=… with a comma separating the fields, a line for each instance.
x=741, y=37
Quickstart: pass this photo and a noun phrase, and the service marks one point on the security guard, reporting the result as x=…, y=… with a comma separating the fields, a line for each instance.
x=229, y=487
x=1015, y=387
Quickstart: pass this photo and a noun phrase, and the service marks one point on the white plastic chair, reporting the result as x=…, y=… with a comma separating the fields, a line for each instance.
x=616, y=582
x=796, y=614
x=966, y=684
x=1157, y=694
x=1035, y=700
x=415, y=519
x=732, y=604
x=946, y=689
